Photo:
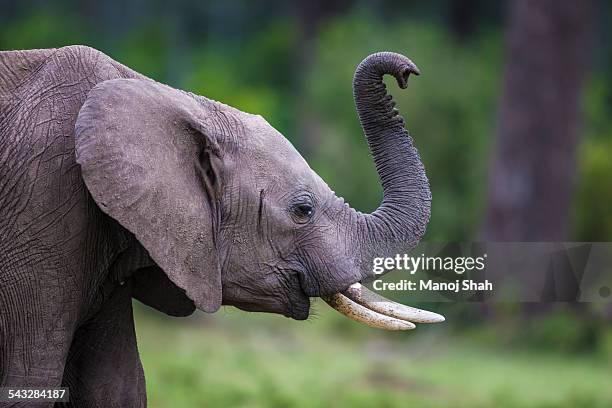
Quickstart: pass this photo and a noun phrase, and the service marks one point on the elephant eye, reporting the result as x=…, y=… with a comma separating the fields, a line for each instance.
x=302, y=212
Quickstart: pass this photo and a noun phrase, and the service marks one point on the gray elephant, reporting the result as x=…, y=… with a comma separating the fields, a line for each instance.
x=114, y=186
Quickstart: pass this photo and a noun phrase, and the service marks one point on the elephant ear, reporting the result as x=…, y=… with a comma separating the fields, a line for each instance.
x=148, y=163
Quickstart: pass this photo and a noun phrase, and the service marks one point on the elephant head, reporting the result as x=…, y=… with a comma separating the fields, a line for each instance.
x=232, y=213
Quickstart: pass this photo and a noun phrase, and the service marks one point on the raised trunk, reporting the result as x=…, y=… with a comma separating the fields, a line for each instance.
x=404, y=212
x=399, y=222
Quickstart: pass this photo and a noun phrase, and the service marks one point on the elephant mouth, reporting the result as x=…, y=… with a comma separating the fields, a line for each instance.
x=362, y=305
x=300, y=307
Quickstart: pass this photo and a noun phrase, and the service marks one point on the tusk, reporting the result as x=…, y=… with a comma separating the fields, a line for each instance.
x=361, y=314
x=370, y=300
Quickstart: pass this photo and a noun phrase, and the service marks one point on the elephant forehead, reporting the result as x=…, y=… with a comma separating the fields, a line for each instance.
x=268, y=148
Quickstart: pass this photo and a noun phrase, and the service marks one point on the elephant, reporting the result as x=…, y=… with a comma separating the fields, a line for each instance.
x=114, y=186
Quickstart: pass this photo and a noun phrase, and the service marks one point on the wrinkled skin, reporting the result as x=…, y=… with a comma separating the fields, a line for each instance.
x=113, y=186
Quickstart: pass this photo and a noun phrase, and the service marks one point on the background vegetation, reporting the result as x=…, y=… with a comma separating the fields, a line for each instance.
x=293, y=64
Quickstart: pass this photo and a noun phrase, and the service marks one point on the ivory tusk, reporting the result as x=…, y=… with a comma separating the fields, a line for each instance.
x=364, y=315
x=370, y=300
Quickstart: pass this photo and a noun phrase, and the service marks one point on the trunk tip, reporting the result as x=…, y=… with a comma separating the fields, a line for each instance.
x=402, y=78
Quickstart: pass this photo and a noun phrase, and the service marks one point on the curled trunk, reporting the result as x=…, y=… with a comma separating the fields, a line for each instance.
x=404, y=212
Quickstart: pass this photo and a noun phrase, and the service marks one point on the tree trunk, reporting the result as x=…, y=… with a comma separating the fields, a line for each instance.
x=531, y=186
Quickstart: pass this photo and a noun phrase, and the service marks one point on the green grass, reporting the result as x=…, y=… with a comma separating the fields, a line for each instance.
x=252, y=360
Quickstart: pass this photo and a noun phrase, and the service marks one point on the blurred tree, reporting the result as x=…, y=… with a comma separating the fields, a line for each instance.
x=531, y=185
x=530, y=189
